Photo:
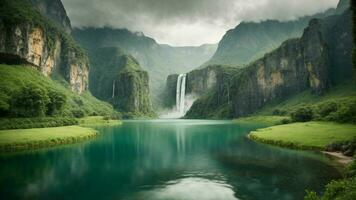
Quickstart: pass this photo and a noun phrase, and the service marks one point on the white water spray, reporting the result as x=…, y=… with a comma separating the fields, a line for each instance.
x=183, y=101
x=180, y=93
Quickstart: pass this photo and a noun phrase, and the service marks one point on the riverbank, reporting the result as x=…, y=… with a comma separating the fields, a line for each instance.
x=98, y=121
x=307, y=135
x=303, y=136
x=35, y=138
x=265, y=120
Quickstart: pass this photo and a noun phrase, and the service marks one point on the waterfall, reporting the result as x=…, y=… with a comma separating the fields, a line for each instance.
x=180, y=93
x=113, y=89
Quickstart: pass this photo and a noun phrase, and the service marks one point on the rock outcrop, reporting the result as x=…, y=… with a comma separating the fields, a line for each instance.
x=251, y=40
x=297, y=65
x=159, y=60
x=118, y=78
x=35, y=41
x=54, y=11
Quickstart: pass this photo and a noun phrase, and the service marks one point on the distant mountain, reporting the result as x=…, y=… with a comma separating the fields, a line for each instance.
x=249, y=40
x=159, y=60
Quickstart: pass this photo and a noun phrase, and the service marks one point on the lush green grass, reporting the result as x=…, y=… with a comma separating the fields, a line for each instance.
x=265, y=120
x=44, y=122
x=309, y=135
x=98, y=120
x=342, y=93
x=27, y=139
x=14, y=78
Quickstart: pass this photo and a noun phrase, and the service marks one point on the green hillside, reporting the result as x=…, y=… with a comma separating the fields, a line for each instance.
x=45, y=96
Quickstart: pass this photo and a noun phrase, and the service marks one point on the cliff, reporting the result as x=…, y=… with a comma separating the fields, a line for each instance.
x=54, y=11
x=297, y=65
x=118, y=78
x=28, y=37
x=158, y=60
x=249, y=41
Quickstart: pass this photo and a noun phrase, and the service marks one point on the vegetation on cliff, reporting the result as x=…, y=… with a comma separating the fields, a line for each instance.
x=283, y=73
x=25, y=92
x=249, y=41
x=157, y=59
x=118, y=79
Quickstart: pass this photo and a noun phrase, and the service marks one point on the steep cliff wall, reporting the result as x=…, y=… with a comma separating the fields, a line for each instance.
x=27, y=37
x=297, y=65
x=249, y=41
x=198, y=82
x=131, y=93
x=118, y=78
x=54, y=11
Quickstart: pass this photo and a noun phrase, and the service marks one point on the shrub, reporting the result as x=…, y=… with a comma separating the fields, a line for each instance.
x=24, y=123
x=78, y=113
x=344, y=189
x=285, y=121
x=56, y=103
x=302, y=114
x=279, y=112
x=348, y=148
x=346, y=113
x=324, y=109
x=30, y=101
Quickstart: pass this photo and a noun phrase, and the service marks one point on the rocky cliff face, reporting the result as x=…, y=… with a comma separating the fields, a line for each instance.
x=297, y=65
x=250, y=40
x=45, y=47
x=157, y=59
x=131, y=92
x=118, y=78
x=53, y=10
x=198, y=82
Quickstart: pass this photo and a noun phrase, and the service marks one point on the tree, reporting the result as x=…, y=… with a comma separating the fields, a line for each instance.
x=56, y=103
x=302, y=114
x=31, y=101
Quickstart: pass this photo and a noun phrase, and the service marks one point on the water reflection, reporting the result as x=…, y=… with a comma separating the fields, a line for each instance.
x=165, y=160
x=190, y=189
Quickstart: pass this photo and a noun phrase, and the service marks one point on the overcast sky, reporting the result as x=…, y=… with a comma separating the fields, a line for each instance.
x=186, y=22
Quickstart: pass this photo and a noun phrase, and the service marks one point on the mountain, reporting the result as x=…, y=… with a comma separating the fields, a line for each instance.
x=118, y=78
x=28, y=37
x=41, y=65
x=318, y=61
x=251, y=40
x=54, y=11
x=158, y=59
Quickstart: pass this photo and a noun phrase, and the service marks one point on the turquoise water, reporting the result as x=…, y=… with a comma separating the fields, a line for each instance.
x=165, y=159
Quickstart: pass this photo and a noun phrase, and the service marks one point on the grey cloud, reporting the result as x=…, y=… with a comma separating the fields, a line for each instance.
x=186, y=22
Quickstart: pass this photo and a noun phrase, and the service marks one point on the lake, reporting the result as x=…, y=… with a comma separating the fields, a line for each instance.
x=165, y=159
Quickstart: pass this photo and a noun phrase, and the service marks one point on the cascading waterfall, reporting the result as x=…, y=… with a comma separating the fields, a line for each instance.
x=180, y=93
x=113, y=89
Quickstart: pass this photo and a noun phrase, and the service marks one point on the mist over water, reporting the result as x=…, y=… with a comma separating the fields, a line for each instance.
x=174, y=113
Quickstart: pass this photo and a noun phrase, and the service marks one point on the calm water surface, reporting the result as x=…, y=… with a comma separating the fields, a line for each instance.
x=165, y=159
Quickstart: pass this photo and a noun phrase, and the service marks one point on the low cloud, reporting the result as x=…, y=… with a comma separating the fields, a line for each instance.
x=186, y=22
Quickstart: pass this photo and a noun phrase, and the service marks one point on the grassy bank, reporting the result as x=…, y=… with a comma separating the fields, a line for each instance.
x=98, y=121
x=263, y=120
x=28, y=139
x=309, y=135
